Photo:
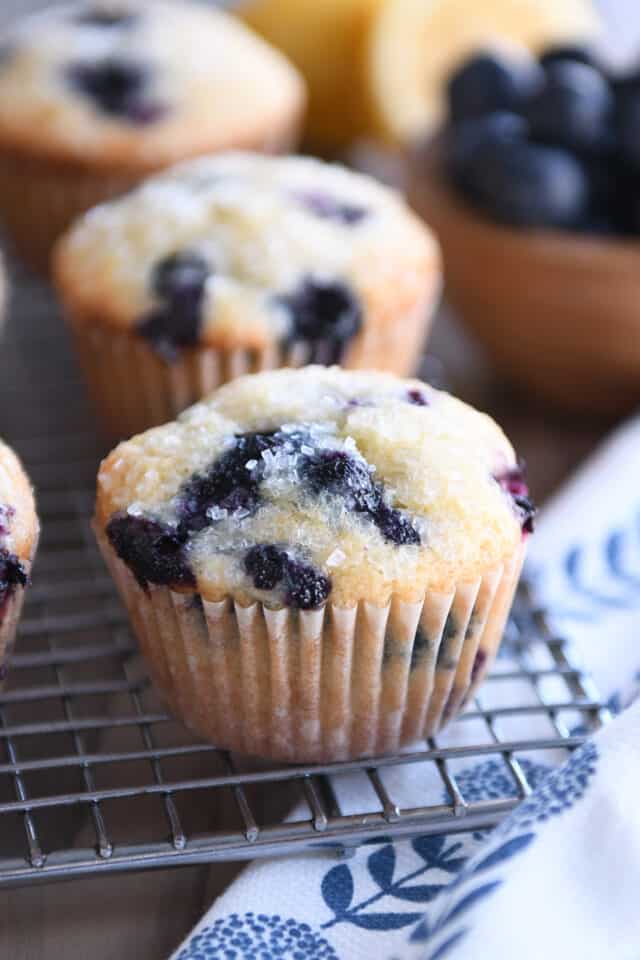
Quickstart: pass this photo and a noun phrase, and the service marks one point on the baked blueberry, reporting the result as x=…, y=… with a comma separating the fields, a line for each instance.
x=529, y=185
x=266, y=565
x=118, y=88
x=488, y=82
x=327, y=207
x=337, y=474
x=395, y=526
x=417, y=398
x=179, y=283
x=307, y=588
x=323, y=312
x=574, y=108
x=232, y=483
x=12, y=574
x=514, y=483
x=154, y=552
x=106, y=17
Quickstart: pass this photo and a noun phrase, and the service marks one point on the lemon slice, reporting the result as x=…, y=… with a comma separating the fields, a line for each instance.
x=413, y=45
x=326, y=40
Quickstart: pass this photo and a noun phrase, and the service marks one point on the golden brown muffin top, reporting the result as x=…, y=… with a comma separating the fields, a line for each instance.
x=139, y=84
x=246, y=250
x=294, y=486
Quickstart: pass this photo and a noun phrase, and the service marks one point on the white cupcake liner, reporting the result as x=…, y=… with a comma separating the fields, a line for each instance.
x=323, y=685
x=133, y=388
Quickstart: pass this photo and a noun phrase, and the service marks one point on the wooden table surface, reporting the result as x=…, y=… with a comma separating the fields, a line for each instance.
x=145, y=915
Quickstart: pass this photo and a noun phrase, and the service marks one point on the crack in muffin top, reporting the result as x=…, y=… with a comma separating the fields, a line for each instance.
x=293, y=487
x=135, y=84
x=246, y=250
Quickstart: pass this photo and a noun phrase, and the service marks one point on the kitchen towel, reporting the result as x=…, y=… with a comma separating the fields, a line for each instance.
x=559, y=878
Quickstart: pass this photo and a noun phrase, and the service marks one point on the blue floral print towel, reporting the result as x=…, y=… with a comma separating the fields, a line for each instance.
x=560, y=877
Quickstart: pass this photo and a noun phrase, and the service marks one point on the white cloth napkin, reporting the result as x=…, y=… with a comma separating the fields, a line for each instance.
x=560, y=877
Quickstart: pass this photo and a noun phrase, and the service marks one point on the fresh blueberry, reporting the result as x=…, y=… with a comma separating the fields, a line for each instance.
x=487, y=83
x=307, y=588
x=154, y=552
x=628, y=124
x=514, y=482
x=466, y=142
x=118, y=88
x=417, y=398
x=612, y=185
x=574, y=108
x=340, y=475
x=323, y=312
x=327, y=207
x=572, y=53
x=266, y=565
x=179, y=283
x=228, y=484
x=104, y=17
x=529, y=185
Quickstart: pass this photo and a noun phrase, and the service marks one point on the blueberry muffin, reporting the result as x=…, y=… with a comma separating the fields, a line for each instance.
x=238, y=263
x=19, y=530
x=318, y=563
x=96, y=96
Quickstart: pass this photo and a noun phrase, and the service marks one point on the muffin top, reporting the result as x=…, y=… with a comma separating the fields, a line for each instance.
x=247, y=250
x=18, y=524
x=294, y=487
x=136, y=84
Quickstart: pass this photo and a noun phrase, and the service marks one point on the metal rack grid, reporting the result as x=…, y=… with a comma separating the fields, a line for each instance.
x=97, y=778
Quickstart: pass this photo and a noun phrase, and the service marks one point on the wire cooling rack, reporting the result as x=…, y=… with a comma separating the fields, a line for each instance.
x=96, y=777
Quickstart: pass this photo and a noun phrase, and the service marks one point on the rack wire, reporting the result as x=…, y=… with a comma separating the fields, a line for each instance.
x=97, y=778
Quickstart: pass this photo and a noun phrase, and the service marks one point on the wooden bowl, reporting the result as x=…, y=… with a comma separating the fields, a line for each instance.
x=559, y=312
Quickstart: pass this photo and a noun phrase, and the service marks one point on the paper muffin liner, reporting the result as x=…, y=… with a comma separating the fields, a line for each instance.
x=40, y=198
x=323, y=685
x=133, y=388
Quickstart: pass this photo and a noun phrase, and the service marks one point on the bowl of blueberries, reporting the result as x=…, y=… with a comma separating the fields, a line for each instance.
x=533, y=187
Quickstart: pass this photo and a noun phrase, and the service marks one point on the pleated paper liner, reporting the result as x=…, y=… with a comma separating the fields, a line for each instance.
x=40, y=198
x=323, y=685
x=133, y=388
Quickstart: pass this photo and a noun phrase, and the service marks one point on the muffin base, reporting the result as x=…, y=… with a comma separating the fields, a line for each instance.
x=132, y=388
x=324, y=685
x=41, y=197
